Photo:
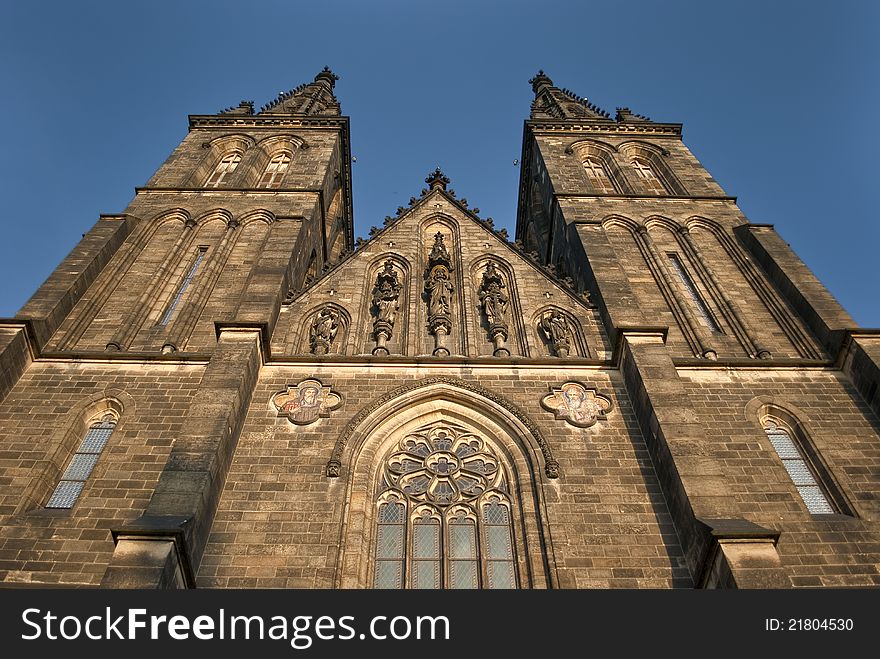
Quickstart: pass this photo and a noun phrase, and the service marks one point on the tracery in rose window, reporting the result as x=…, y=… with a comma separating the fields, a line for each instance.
x=444, y=516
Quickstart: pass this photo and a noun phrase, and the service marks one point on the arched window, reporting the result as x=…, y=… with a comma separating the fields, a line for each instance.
x=187, y=280
x=799, y=469
x=275, y=171
x=690, y=289
x=81, y=464
x=444, y=513
x=598, y=175
x=649, y=176
x=224, y=168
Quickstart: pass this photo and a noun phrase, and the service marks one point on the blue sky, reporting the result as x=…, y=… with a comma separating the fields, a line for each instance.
x=776, y=99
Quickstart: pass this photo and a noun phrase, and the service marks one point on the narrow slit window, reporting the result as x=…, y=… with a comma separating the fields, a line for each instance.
x=691, y=290
x=649, y=177
x=464, y=569
x=500, y=572
x=389, y=545
x=81, y=464
x=598, y=176
x=426, y=555
x=169, y=312
x=223, y=169
x=275, y=171
x=799, y=470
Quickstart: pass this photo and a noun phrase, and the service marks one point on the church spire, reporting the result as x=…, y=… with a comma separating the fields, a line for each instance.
x=314, y=98
x=551, y=102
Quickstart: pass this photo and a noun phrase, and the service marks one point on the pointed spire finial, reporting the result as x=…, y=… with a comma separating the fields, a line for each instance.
x=327, y=75
x=539, y=81
x=437, y=179
x=439, y=254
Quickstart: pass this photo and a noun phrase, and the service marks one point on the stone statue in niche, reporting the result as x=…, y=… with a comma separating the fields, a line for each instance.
x=492, y=295
x=386, y=296
x=324, y=328
x=439, y=253
x=495, y=302
x=439, y=290
x=577, y=404
x=306, y=402
x=438, y=294
x=557, y=330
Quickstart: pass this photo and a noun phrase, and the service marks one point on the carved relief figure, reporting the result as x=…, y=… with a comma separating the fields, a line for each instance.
x=439, y=290
x=438, y=294
x=576, y=404
x=305, y=402
x=495, y=300
x=386, y=294
x=439, y=253
x=324, y=328
x=556, y=329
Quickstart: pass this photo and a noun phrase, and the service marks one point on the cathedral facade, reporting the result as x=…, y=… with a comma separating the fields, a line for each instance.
x=220, y=387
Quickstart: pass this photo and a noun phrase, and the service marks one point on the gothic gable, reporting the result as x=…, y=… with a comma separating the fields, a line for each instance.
x=439, y=281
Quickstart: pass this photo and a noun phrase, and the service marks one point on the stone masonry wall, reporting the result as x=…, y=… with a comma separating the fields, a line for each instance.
x=280, y=516
x=74, y=546
x=845, y=433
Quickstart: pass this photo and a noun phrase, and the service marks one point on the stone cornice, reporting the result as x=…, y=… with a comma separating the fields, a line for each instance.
x=140, y=357
x=742, y=363
x=262, y=191
x=575, y=195
x=605, y=128
x=265, y=121
x=427, y=361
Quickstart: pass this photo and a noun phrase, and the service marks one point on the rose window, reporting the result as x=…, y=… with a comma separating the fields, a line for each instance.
x=444, y=515
x=443, y=465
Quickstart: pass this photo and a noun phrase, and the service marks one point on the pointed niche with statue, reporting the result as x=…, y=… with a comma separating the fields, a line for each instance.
x=438, y=295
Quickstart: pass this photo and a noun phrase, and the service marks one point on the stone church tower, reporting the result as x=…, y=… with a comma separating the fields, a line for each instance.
x=220, y=388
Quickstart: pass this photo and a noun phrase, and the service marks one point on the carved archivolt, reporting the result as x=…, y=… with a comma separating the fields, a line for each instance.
x=334, y=466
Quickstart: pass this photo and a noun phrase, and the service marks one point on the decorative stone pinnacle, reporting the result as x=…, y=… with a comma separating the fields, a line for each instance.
x=539, y=81
x=437, y=179
x=439, y=254
x=328, y=75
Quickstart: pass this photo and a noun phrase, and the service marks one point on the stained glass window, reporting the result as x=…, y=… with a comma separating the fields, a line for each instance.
x=389, y=545
x=499, y=550
x=798, y=469
x=451, y=523
x=693, y=294
x=426, y=553
x=190, y=275
x=81, y=464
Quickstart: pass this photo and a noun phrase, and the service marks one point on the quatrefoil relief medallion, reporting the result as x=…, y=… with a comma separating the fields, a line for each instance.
x=578, y=405
x=306, y=402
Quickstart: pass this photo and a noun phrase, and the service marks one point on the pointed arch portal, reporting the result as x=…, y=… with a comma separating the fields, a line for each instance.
x=443, y=490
